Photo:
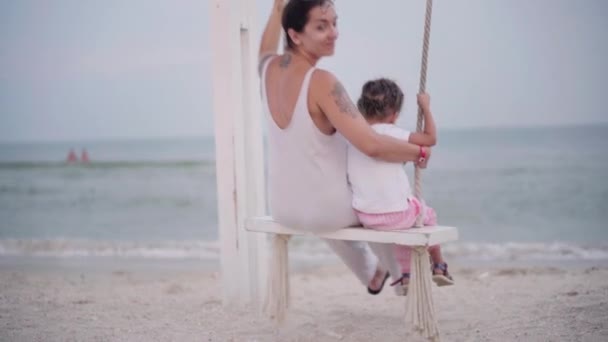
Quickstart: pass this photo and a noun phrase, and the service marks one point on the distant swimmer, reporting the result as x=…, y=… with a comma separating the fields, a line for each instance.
x=72, y=158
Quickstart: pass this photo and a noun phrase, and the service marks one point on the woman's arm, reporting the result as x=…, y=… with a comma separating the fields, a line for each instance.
x=332, y=99
x=269, y=45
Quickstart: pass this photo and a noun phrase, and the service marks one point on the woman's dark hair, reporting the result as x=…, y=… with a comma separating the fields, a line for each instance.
x=380, y=98
x=296, y=15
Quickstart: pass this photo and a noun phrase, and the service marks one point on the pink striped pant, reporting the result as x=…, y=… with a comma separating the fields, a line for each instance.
x=400, y=220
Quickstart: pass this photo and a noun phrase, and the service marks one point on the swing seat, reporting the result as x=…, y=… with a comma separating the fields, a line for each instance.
x=424, y=236
x=420, y=312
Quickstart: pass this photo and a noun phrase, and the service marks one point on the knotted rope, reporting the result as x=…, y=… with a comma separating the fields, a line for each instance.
x=420, y=311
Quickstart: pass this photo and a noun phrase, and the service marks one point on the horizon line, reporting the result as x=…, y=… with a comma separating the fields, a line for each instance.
x=109, y=139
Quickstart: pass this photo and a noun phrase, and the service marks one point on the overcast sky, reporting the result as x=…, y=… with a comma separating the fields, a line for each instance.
x=93, y=69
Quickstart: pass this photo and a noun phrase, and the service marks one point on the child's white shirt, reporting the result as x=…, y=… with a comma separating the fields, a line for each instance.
x=378, y=186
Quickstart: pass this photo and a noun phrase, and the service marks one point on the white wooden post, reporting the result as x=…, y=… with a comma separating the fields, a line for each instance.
x=239, y=148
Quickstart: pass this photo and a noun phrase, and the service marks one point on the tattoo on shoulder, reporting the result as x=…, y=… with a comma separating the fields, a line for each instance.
x=285, y=61
x=344, y=102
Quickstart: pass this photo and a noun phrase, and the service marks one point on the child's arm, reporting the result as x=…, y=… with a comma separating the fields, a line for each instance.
x=429, y=136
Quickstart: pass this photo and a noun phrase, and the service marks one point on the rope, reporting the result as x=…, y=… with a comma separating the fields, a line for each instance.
x=420, y=309
x=276, y=301
x=423, y=68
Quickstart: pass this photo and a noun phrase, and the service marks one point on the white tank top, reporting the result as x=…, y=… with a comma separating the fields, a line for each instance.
x=307, y=182
x=378, y=186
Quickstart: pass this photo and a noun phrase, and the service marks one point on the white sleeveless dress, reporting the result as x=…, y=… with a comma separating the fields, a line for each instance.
x=307, y=184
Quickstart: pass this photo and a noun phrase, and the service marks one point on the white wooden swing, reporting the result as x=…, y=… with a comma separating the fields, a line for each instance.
x=240, y=182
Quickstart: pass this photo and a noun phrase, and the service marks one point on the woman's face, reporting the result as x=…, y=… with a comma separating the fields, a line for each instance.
x=320, y=33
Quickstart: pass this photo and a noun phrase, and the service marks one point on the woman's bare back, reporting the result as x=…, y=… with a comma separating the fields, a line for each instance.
x=284, y=78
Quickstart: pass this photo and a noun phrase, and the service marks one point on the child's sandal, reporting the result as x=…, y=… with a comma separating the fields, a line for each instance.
x=400, y=285
x=444, y=279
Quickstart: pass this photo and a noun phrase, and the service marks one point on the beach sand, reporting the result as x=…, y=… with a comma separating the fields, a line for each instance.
x=118, y=302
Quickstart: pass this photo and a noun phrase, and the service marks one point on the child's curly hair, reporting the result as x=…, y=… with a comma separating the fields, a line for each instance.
x=380, y=98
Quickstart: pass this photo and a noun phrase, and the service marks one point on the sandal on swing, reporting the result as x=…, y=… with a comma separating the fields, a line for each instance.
x=442, y=279
x=375, y=292
x=402, y=284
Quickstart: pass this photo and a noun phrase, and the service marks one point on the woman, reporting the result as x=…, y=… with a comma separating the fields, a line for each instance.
x=311, y=120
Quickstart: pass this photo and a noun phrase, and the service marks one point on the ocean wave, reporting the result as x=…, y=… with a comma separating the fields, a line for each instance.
x=514, y=251
x=204, y=250
x=301, y=250
x=26, y=165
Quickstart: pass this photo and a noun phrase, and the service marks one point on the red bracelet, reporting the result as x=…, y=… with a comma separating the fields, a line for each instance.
x=422, y=155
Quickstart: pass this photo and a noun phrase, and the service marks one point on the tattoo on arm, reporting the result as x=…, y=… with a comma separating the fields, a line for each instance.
x=285, y=61
x=343, y=102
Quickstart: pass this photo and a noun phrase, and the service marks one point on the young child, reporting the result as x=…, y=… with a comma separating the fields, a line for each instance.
x=382, y=197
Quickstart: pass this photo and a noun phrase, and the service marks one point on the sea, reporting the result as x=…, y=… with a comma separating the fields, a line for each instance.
x=515, y=193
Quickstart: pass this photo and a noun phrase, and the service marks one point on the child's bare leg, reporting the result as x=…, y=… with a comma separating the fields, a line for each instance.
x=441, y=276
x=403, y=254
x=436, y=258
